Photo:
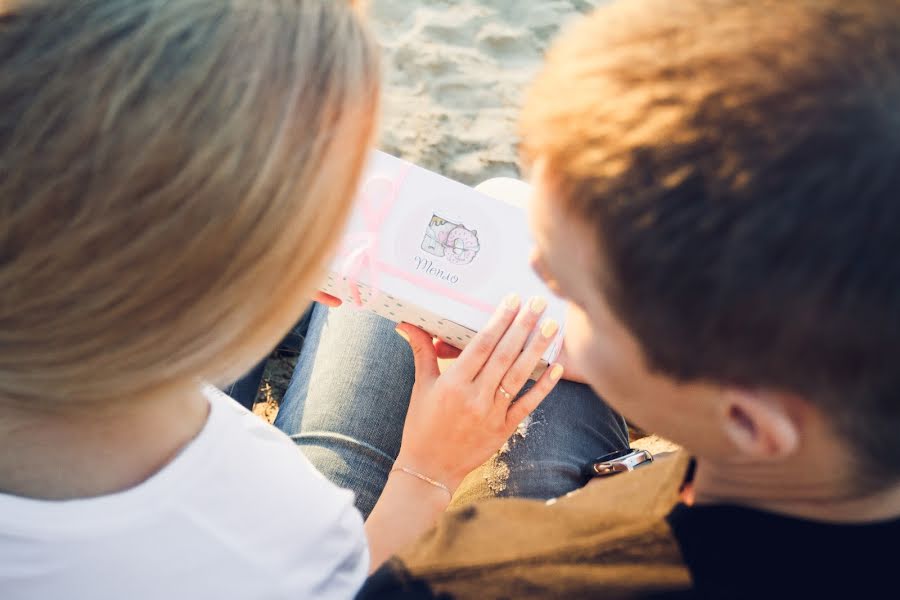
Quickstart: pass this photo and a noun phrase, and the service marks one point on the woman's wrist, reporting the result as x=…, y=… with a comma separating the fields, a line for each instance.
x=409, y=466
x=403, y=482
x=425, y=478
x=407, y=508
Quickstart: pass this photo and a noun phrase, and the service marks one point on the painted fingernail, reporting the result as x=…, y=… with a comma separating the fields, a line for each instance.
x=511, y=302
x=549, y=328
x=403, y=334
x=537, y=305
x=556, y=372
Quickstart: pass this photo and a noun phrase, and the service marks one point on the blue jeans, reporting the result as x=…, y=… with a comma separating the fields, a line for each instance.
x=347, y=402
x=245, y=389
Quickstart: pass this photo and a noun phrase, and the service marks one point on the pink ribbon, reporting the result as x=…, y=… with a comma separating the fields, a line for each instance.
x=377, y=199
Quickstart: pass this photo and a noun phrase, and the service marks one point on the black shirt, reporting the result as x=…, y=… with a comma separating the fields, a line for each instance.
x=736, y=552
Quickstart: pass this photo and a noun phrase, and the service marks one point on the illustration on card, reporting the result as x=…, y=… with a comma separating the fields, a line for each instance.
x=451, y=241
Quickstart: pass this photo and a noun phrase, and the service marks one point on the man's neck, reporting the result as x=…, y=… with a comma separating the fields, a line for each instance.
x=813, y=494
x=92, y=452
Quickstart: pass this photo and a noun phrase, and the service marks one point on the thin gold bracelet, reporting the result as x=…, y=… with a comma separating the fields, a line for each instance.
x=424, y=478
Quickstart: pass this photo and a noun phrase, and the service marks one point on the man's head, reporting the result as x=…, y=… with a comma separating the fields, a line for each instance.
x=728, y=173
x=171, y=178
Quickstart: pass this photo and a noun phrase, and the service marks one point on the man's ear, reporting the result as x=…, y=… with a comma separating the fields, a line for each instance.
x=760, y=424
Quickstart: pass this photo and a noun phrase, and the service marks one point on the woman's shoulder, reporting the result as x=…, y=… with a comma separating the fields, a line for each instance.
x=260, y=495
x=249, y=452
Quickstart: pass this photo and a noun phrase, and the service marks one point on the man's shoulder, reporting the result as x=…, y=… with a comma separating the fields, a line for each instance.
x=611, y=535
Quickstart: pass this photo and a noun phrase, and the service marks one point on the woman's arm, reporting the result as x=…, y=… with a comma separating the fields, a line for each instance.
x=459, y=419
x=407, y=508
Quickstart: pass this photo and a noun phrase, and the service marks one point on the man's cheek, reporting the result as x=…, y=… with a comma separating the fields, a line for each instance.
x=590, y=352
x=578, y=339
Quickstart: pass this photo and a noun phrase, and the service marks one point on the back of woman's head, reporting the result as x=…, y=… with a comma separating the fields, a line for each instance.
x=172, y=176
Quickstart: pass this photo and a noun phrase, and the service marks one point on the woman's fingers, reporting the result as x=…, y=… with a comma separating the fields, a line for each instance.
x=424, y=355
x=327, y=299
x=530, y=400
x=515, y=377
x=509, y=348
x=473, y=357
x=445, y=350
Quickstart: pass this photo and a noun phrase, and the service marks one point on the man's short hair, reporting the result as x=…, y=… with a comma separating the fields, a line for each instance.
x=739, y=162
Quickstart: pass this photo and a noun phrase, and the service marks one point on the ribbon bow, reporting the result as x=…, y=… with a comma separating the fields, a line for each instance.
x=378, y=197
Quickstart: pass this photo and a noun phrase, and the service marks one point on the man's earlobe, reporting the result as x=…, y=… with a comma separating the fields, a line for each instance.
x=760, y=424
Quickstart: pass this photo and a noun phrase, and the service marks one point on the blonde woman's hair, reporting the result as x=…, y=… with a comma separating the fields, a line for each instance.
x=172, y=179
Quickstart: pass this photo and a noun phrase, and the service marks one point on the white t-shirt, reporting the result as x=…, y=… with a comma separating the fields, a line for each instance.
x=240, y=513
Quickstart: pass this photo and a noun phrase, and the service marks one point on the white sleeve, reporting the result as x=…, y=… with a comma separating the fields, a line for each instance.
x=348, y=551
x=334, y=561
x=312, y=541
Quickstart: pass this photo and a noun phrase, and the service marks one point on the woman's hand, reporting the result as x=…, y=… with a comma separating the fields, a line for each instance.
x=326, y=299
x=446, y=351
x=459, y=419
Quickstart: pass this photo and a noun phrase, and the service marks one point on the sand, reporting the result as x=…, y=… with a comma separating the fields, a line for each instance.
x=455, y=75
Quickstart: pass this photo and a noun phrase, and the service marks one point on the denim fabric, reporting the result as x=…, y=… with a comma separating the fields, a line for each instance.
x=348, y=398
x=244, y=390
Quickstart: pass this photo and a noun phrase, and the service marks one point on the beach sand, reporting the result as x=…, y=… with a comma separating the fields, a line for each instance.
x=455, y=75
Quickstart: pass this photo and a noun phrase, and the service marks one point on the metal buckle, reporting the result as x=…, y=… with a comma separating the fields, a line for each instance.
x=620, y=461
